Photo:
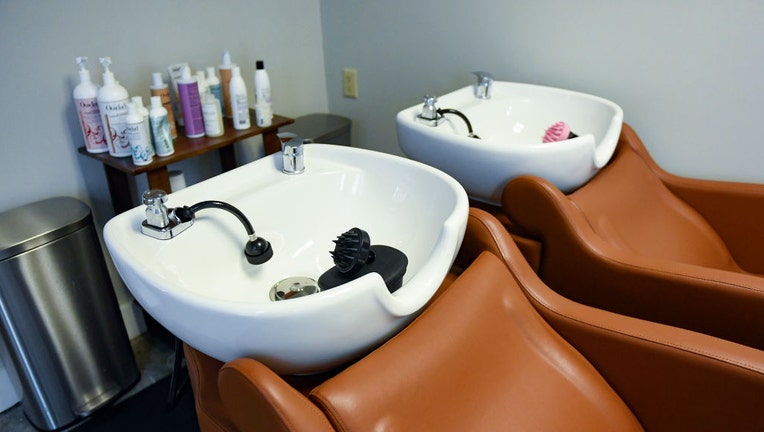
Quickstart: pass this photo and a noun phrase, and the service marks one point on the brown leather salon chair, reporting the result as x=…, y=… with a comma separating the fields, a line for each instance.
x=498, y=350
x=672, y=379
x=641, y=242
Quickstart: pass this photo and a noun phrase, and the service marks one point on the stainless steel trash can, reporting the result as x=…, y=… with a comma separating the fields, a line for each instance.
x=59, y=314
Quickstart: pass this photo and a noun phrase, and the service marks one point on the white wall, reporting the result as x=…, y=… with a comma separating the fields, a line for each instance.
x=40, y=39
x=688, y=74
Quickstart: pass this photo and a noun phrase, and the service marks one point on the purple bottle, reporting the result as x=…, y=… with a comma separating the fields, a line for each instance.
x=188, y=92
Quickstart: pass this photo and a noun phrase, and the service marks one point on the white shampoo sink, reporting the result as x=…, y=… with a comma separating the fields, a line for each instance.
x=202, y=289
x=511, y=125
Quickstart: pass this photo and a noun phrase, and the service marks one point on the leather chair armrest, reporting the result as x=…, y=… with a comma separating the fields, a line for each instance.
x=258, y=399
x=673, y=379
x=720, y=303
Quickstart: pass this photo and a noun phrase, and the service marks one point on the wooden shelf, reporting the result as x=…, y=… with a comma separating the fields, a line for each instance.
x=118, y=170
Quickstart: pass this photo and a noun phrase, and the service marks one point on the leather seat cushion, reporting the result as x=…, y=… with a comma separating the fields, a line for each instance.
x=627, y=205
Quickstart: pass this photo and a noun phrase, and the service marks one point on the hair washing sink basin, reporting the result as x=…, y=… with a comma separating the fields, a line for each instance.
x=201, y=288
x=511, y=125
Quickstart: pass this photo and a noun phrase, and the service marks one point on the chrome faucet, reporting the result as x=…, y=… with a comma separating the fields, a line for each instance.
x=292, y=153
x=430, y=114
x=156, y=211
x=484, y=84
x=161, y=223
x=429, y=110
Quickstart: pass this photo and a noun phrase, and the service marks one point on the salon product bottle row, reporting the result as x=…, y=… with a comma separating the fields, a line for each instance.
x=112, y=121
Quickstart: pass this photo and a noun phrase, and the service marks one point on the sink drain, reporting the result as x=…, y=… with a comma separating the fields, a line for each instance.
x=293, y=287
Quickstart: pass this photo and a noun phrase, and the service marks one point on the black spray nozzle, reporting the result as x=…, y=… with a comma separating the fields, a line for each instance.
x=258, y=251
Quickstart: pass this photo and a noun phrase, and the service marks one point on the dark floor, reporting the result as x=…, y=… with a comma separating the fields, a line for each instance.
x=147, y=411
x=143, y=408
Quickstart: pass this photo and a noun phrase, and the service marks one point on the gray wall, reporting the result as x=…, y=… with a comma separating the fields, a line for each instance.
x=688, y=74
x=40, y=40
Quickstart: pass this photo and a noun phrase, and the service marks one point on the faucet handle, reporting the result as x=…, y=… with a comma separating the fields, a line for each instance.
x=483, y=77
x=429, y=110
x=295, y=146
x=162, y=223
x=154, y=197
x=156, y=212
x=483, y=86
x=289, y=139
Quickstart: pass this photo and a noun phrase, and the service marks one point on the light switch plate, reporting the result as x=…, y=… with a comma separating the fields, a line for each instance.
x=350, y=83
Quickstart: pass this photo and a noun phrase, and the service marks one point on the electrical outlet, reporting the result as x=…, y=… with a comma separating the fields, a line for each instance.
x=350, y=83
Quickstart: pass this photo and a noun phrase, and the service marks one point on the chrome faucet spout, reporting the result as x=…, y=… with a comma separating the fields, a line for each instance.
x=484, y=84
x=292, y=153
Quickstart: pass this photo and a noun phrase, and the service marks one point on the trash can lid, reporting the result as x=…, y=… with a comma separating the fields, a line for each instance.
x=318, y=127
x=35, y=224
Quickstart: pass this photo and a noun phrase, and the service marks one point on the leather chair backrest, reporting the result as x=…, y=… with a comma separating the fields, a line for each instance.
x=627, y=205
x=479, y=358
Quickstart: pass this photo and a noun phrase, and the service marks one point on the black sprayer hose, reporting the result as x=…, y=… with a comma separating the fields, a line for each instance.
x=463, y=117
x=227, y=207
x=257, y=249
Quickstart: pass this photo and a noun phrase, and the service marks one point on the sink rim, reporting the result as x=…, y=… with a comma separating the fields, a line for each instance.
x=604, y=147
x=225, y=220
x=400, y=305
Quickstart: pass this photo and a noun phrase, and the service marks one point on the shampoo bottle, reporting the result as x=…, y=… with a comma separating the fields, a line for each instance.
x=86, y=101
x=215, y=88
x=159, y=118
x=226, y=69
x=213, y=119
x=191, y=106
x=140, y=109
x=239, y=103
x=136, y=136
x=112, y=103
x=175, y=71
x=202, y=83
x=263, y=109
x=159, y=88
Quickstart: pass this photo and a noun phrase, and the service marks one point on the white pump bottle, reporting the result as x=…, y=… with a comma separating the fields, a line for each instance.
x=112, y=103
x=86, y=101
